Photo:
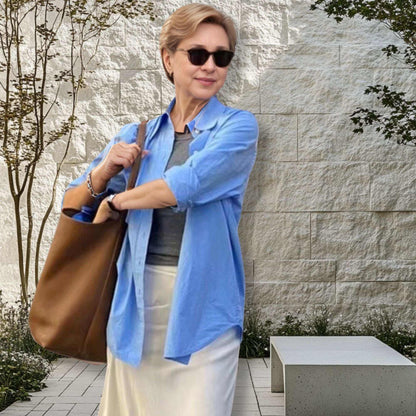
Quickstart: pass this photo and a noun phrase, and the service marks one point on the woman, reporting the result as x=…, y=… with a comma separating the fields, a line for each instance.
x=176, y=319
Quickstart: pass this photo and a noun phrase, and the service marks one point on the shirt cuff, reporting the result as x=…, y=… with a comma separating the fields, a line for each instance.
x=181, y=182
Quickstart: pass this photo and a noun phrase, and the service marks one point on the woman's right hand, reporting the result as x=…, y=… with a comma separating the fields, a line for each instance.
x=120, y=156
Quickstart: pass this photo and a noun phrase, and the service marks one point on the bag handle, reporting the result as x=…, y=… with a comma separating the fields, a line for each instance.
x=141, y=130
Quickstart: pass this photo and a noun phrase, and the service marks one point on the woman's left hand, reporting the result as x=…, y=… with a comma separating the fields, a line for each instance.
x=105, y=213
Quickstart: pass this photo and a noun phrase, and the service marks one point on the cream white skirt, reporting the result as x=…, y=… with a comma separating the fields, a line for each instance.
x=161, y=387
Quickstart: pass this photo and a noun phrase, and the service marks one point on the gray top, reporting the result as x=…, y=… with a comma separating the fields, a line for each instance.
x=167, y=226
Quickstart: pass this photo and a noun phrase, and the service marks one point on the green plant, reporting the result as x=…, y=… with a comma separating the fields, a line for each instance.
x=23, y=362
x=15, y=335
x=21, y=373
x=256, y=334
x=383, y=325
x=400, y=17
x=319, y=323
x=379, y=323
x=291, y=326
x=38, y=63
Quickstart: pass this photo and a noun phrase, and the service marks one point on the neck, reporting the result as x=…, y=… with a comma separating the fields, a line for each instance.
x=184, y=111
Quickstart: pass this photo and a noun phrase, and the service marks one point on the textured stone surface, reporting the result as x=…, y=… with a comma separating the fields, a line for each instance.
x=376, y=270
x=323, y=186
x=102, y=94
x=135, y=56
x=329, y=215
x=363, y=235
x=402, y=79
x=241, y=89
x=138, y=94
x=294, y=270
x=260, y=194
x=314, y=27
x=100, y=131
x=264, y=22
x=329, y=137
x=367, y=56
x=249, y=270
x=316, y=91
x=294, y=294
x=276, y=235
x=299, y=56
x=374, y=293
x=393, y=186
x=277, y=138
x=76, y=152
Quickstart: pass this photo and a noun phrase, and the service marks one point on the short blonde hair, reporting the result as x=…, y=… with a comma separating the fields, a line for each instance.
x=184, y=22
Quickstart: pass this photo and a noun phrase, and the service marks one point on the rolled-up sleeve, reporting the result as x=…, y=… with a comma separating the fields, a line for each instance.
x=116, y=184
x=221, y=169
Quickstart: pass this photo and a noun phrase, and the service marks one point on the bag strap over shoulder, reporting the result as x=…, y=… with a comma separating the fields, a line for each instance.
x=141, y=131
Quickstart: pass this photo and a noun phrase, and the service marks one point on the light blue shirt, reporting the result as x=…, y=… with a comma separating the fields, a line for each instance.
x=209, y=292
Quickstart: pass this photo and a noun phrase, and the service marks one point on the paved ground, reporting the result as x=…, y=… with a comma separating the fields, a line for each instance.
x=75, y=387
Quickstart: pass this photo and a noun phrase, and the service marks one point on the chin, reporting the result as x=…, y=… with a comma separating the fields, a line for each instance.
x=205, y=94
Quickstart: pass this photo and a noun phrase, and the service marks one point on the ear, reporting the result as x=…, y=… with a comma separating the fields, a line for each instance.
x=167, y=60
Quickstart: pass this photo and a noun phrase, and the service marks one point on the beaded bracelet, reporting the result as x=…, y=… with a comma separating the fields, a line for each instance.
x=91, y=189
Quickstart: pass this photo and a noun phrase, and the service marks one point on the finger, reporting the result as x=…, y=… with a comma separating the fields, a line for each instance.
x=136, y=150
x=135, y=146
x=122, y=160
x=123, y=148
x=129, y=154
x=132, y=150
x=145, y=153
x=125, y=156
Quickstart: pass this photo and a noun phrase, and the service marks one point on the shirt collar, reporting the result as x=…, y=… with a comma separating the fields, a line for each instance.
x=208, y=119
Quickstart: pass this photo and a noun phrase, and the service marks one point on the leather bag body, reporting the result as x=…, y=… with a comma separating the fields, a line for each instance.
x=72, y=301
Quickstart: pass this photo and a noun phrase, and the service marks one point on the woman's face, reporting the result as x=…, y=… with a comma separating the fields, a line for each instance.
x=204, y=81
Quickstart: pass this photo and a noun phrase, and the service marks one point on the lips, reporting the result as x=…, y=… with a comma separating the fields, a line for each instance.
x=206, y=81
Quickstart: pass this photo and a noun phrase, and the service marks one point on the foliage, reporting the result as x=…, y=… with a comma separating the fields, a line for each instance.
x=21, y=373
x=255, y=334
x=378, y=323
x=385, y=327
x=23, y=362
x=399, y=121
x=292, y=325
x=15, y=333
x=38, y=63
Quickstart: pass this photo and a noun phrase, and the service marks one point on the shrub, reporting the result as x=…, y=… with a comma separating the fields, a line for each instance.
x=384, y=326
x=255, y=342
x=15, y=333
x=379, y=323
x=23, y=362
x=19, y=373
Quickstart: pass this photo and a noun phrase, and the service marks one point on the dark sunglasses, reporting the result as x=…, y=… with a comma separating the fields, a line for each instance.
x=199, y=56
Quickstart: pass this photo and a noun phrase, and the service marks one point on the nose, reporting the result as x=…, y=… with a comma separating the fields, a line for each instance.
x=209, y=65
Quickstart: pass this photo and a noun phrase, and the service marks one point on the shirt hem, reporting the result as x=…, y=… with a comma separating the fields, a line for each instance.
x=185, y=358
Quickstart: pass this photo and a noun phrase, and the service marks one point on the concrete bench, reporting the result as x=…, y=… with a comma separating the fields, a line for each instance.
x=342, y=376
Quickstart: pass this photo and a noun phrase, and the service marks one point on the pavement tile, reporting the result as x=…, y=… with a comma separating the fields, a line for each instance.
x=74, y=388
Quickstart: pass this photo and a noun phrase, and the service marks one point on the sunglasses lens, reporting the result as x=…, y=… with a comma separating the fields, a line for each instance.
x=223, y=58
x=198, y=56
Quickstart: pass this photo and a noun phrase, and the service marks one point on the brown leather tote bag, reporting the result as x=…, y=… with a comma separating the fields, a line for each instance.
x=72, y=301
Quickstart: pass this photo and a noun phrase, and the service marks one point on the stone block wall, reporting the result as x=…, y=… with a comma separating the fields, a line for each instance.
x=328, y=216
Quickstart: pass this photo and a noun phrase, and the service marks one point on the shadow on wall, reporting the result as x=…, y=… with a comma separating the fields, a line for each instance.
x=327, y=212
